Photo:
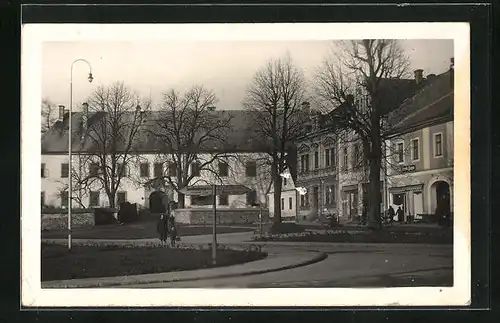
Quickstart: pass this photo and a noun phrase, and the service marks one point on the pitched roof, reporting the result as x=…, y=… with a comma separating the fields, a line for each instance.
x=393, y=91
x=239, y=138
x=433, y=103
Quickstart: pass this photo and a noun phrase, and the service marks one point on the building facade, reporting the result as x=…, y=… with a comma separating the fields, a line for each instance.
x=288, y=202
x=420, y=174
x=317, y=169
x=241, y=164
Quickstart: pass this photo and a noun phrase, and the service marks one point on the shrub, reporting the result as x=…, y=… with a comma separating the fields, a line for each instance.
x=128, y=213
x=286, y=227
x=104, y=216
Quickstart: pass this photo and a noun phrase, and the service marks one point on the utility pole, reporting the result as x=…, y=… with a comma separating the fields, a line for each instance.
x=214, y=225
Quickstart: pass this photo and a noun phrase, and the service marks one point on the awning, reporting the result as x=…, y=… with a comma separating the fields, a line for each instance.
x=349, y=188
x=408, y=188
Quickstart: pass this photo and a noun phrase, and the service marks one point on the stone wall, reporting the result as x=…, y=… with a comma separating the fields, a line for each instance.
x=224, y=216
x=60, y=221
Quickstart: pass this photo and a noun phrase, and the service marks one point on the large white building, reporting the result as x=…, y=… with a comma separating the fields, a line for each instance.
x=242, y=164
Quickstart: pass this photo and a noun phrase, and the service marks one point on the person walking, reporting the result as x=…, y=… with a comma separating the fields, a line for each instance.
x=400, y=214
x=172, y=231
x=391, y=214
x=162, y=228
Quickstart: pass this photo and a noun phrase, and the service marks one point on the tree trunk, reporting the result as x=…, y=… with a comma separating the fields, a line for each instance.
x=374, y=194
x=277, y=192
x=181, y=200
x=111, y=200
x=374, y=216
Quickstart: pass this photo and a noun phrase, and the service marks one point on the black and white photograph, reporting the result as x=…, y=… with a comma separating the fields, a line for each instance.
x=262, y=165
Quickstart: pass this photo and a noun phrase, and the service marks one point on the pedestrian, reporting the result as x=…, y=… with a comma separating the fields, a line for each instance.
x=391, y=214
x=400, y=214
x=172, y=231
x=162, y=228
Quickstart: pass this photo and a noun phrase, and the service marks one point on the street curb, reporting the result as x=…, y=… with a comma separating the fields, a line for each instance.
x=319, y=257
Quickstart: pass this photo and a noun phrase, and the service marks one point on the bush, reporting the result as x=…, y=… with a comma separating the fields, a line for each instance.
x=104, y=216
x=128, y=213
x=286, y=227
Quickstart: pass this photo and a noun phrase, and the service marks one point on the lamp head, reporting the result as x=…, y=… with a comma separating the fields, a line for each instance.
x=91, y=78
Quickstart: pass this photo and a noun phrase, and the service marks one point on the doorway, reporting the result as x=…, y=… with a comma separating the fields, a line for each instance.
x=443, y=196
x=156, y=202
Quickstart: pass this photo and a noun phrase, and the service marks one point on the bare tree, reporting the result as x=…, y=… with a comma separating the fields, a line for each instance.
x=277, y=93
x=47, y=114
x=109, y=133
x=191, y=134
x=353, y=80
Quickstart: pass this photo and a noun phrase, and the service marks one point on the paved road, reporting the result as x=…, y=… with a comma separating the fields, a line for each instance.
x=347, y=265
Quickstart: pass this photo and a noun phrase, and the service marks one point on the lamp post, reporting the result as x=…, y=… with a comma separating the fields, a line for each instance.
x=70, y=136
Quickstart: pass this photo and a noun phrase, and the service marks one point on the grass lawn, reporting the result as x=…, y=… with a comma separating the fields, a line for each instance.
x=139, y=230
x=85, y=262
x=437, y=236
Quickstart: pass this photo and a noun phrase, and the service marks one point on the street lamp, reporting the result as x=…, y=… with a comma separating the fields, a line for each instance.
x=70, y=136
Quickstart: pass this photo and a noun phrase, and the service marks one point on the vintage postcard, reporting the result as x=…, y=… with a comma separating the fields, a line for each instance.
x=246, y=164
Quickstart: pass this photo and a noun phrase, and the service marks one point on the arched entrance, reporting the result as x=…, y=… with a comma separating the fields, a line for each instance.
x=440, y=194
x=156, y=202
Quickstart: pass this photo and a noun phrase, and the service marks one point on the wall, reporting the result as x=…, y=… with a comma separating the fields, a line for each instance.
x=60, y=221
x=224, y=216
x=286, y=213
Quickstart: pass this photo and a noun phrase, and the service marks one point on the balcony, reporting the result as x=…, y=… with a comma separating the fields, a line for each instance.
x=317, y=172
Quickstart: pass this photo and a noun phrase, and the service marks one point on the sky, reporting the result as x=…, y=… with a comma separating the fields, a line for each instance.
x=227, y=67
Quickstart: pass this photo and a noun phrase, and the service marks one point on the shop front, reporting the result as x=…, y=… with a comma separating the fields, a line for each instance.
x=410, y=199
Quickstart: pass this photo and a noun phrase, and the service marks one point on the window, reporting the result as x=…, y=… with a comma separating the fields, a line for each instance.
x=223, y=169
x=316, y=159
x=223, y=199
x=333, y=160
x=195, y=168
x=121, y=170
x=438, y=145
x=284, y=181
x=346, y=158
x=94, y=169
x=64, y=199
x=415, y=149
x=94, y=199
x=202, y=200
x=121, y=197
x=144, y=169
x=282, y=203
x=400, y=152
x=158, y=170
x=43, y=170
x=64, y=170
x=327, y=157
x=290, y=203
x=172, y=169
x=251, y=197
x=304, y=200
x=42, y=199
x=355, y=156
x=304, y=163
x=251, y=169
x=330, y=194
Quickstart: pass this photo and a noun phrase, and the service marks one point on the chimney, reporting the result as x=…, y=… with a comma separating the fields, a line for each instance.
x=349, y=99
x=62, y=109
x=419, y=76
x=306, y=106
